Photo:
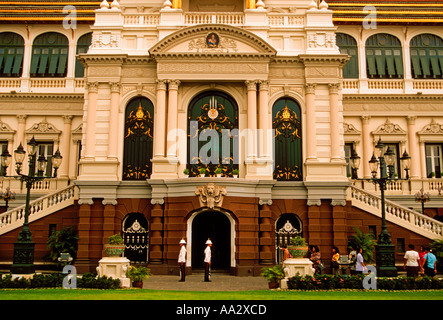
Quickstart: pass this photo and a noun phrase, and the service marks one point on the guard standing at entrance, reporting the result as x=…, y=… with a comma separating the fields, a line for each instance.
x=207, y=260
x=182, y=259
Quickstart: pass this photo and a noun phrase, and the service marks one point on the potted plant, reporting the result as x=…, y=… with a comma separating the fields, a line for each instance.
x=202, y=172
x=186, y=172
x=298, y=247
x=365, y=241
x=115, y=246
x=137, y=275
x=273, y=275
x=218, y=172
x=235, y=173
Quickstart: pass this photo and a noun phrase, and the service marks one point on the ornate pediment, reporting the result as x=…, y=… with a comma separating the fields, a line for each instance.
x=43, y=131
x=431, y=132
x=211, y=195
x=389, y=128
x=212, y=40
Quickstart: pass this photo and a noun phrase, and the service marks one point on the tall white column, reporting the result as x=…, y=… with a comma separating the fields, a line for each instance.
x=113, y=121
x=252, y=118
x=91, y=120
x=311, y=131
x=334, y=121
x=263, y=124
x=172, y=117
x=413, y=147
x=160, y=120
x=367, y=146
x=65, y=146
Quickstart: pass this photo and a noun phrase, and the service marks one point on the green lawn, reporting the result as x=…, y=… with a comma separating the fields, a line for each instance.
x=142, y=294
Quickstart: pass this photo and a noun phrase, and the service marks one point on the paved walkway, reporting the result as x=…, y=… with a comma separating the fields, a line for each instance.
x=194, y=282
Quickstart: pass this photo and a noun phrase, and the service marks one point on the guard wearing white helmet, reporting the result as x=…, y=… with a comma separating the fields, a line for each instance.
x=207, y=260
x=182, y=259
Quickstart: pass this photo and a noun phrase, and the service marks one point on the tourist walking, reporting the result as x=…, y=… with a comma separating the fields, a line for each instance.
x=207, y=260
x=430, y=265
x=352, y=257
x=360, y=266
x=182, y=260
x=422, y=254
x=411, y=262
x=315, y=258
x=335, y=257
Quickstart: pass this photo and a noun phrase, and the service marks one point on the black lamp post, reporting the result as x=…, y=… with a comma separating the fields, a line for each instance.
x=7, y=196
x=422, y=197
x=23, y=260
x=382, y=163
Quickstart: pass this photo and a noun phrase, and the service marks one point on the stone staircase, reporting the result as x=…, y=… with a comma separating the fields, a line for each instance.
x=38, y=208
x=395, y=213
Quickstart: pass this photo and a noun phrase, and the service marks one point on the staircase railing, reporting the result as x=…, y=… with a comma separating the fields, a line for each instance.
x=38, y=208
x=395, y=213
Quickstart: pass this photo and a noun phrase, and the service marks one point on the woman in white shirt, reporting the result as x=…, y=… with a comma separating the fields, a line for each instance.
x=360, y=265
x=411, y=262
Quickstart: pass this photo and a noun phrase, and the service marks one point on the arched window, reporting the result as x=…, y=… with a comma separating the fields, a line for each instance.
x=11, y=54
x=287, y=226
x=49, y=55
x=212, y=134
x=384, y=57
x=83, y=44
x=287, y=140
x=136, y=237
x=348, y=45
x=138, y=139
x=426, y=56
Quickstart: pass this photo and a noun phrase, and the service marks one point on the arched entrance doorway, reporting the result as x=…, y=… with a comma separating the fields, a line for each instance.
x=216, y=226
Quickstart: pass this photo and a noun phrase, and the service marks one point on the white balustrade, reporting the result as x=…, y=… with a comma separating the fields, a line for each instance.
x=38, y=208
x=395, y=213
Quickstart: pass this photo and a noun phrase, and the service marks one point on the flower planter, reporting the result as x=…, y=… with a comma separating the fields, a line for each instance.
x=114, y=250
x=273, y=285
x=298, y=252
x=137, y=284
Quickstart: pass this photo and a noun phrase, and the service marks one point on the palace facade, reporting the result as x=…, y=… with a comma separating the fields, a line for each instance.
x=140, y=97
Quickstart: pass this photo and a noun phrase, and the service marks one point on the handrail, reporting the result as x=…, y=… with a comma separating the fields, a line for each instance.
x=38, y=208
x=396, y=213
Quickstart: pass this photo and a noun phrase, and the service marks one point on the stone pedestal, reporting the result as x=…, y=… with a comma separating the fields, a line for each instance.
x=116, y=268
x=293, y=266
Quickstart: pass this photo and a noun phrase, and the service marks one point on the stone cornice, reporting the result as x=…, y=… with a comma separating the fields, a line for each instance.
x=74, y=97
x=213, y=56
x=340, y=59
x=382, y=97
x=102, y=58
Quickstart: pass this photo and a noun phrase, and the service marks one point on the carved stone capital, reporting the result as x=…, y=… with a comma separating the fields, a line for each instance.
x=314, y=202
x=159, y=201
x=173, y=84
x=334, y=88
x=263, y=85
x=92, y=87
x=251, y=85
x=338, y=203
x=310, y=88
x=115, y=86
x=161, y=84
